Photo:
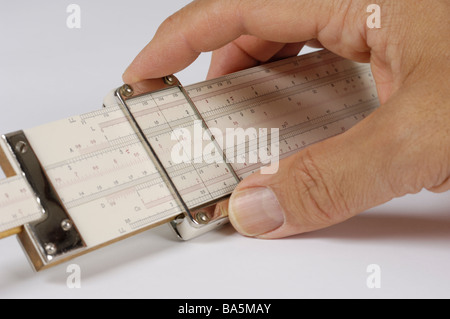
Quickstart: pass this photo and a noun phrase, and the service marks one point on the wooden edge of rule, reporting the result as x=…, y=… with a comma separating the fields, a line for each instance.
x=38, y=265
x=5, y=165
x=9, y=171
x=11, y=232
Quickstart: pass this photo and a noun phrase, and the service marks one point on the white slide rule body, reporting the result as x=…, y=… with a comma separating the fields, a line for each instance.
x=111, y=188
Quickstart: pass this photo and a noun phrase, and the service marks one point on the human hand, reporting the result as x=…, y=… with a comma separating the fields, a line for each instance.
x=401, y=148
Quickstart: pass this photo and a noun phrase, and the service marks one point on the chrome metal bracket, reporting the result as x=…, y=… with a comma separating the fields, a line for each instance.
x=194, y=221
x=201, y=220
x=54, y=237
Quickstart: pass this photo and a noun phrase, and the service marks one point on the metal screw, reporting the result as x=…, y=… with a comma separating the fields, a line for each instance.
x=66, y=224
x=21, y=147
x=202, y=218
x=50, y=249
x=126, y=90
x=169, y=80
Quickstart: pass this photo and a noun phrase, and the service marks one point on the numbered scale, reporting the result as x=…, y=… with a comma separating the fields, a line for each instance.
x=157, y=152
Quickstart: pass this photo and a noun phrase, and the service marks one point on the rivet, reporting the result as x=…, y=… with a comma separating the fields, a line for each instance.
x=21, y=147
x=202, y=218
x=66, y=224
x=126, y=90
x=169, y=80
x=50, y=249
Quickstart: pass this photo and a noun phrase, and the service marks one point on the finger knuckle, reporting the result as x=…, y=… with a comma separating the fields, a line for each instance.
x=320, y=200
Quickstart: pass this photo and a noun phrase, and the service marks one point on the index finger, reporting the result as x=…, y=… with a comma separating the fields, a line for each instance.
x=206, y=25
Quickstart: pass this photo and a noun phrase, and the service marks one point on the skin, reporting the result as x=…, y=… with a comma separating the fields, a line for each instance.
x=401, y=148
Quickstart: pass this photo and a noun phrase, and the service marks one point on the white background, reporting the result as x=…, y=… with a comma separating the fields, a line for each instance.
x=49, y=72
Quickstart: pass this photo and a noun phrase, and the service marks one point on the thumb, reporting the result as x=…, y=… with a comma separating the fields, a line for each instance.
x=329, y=182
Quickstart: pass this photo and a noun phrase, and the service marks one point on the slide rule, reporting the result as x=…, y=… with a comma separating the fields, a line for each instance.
x=158, y=152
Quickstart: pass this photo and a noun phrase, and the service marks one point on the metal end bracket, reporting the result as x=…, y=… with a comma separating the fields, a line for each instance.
x=54, y=238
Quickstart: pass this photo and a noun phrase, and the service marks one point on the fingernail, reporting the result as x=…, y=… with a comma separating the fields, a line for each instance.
x=255, y=211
